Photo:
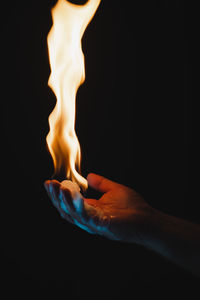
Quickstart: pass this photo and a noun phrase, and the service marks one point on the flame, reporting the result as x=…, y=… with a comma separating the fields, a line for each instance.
x=67, y=74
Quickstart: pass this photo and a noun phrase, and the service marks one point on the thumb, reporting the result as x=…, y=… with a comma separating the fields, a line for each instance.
x=101, y=183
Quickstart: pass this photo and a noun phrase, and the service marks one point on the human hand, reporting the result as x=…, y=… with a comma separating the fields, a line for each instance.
x=120, y=214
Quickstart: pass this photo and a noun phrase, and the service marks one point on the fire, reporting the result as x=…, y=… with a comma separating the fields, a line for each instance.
x=67, y=74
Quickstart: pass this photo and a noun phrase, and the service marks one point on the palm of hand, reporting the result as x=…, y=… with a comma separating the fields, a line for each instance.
x=114, y=215
x=117, y=213
x=118, y=203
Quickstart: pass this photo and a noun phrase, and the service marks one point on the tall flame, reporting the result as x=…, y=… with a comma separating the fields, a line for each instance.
x=67, y=74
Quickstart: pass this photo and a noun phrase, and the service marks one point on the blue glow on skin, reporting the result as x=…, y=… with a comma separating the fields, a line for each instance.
x=99, y=227
x=78, y=205
x=83, y=227
x=62, y=205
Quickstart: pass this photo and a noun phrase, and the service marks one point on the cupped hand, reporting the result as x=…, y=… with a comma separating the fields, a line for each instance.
x=120, y=214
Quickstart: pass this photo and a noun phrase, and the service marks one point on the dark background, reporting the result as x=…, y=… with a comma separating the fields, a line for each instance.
x=133, y=127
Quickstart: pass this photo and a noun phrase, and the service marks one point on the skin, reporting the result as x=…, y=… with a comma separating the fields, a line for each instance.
x=121, y=214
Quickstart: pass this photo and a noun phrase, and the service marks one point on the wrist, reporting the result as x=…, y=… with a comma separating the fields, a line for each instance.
x=154, y=229
x=148, y=224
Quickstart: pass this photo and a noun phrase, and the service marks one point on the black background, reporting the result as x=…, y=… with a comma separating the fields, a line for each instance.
x=133, y=127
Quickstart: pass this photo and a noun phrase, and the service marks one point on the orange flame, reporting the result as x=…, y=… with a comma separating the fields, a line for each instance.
x=67, y=74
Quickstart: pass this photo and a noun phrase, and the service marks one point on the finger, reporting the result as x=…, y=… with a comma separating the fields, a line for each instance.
x=101, y=183
x=61, y=209
x=63, y=206
x=65, y=215
x=76, y=209
x=74, y=206
x=49, y=192
x=66, y=203
x=53, y=190
x=72, y=210
x=54, y=187
x=84, y=227
x=48, y=182
x=73, y=201
x=66, y=197
x=80, y=210
x=46, y=185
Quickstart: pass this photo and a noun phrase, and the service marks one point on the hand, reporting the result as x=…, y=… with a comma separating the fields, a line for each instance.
x=120, y=214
